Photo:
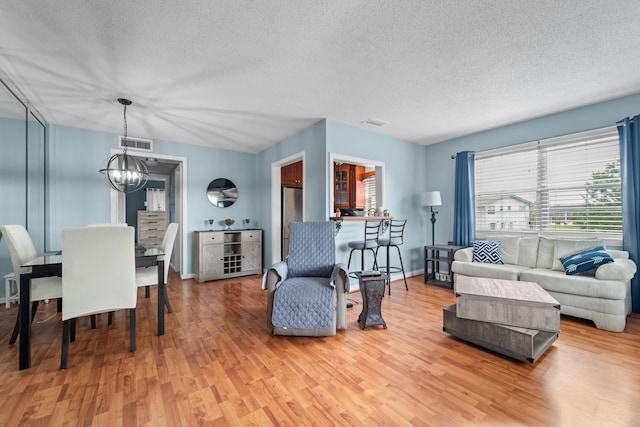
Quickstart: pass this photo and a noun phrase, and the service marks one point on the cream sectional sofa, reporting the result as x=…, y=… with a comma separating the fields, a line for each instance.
x=603, y=296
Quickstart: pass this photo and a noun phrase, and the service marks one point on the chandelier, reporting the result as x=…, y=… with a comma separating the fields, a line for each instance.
x=125, y=173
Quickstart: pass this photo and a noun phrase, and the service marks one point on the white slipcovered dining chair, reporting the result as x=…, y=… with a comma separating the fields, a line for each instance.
x=98, y=275
x=21, y=251
x=149, y=276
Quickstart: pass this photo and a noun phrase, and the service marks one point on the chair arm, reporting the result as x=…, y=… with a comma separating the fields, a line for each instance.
x=340, y=277
x=276, y=274
x=341, y=281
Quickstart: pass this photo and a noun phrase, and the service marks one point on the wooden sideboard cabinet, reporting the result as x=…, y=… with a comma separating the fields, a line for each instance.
x=228, y=253
x=151, y=227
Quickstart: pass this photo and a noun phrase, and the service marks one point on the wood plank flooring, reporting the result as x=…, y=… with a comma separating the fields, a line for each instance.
x=217, y=365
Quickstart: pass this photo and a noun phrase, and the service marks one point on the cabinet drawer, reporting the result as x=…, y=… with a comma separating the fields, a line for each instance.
x=208, y=238
x=154, y=226
x=153, y=241
x=150, y=215
x=251, y=236
x=151, y=234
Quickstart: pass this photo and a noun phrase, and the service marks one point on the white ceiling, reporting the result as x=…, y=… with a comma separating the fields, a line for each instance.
x=243, y=75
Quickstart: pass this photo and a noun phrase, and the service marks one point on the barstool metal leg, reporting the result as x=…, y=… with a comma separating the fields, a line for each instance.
x=402, y=267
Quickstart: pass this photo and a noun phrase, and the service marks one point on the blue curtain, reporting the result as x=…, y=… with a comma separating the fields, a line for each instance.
x=629, y=133
x=464, y=206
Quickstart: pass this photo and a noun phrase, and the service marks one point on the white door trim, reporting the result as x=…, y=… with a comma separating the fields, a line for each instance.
x=118, y=204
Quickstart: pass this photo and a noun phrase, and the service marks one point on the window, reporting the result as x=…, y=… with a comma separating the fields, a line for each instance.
x=569, y=185
x=370, y=193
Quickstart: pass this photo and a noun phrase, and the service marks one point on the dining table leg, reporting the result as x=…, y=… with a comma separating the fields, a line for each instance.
x=25, y=321
x=161, y=293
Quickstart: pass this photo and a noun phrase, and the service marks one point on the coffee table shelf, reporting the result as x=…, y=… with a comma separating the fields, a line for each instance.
x=517, y=319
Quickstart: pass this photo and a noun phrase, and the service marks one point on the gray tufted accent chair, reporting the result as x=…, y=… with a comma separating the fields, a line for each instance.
x=311, y=262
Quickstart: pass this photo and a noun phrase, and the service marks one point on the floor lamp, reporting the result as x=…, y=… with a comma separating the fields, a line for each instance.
x=431, y=199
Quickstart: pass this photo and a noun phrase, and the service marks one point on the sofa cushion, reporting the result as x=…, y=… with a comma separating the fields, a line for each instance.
x=492, y=271
x=585, y=260
x=508, y=247
x=588, y=286
x=486, y=251
x=528, y=251
x=563, y=248
x=545, y=253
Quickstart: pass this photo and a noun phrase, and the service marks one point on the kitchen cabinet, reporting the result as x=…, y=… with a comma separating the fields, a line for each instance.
x=291, y=175
x=229, y=253
x=349, y=187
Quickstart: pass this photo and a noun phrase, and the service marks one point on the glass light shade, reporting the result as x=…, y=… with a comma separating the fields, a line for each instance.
x=125, y=173
x=431, y=198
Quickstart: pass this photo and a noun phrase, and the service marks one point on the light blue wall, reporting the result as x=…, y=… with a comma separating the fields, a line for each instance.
x=311, y=141
x=404, y=182
x=440, y=168
x=79, y=195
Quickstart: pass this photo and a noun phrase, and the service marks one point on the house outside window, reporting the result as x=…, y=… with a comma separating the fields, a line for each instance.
x=565, y=186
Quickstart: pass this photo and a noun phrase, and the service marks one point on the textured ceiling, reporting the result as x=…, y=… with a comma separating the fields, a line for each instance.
x=243, y=75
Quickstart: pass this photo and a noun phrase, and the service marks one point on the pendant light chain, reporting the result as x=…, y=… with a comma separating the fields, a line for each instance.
x=125, y=129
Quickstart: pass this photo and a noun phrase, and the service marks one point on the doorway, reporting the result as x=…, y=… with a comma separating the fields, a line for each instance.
x=173, y=170
x=277, y=202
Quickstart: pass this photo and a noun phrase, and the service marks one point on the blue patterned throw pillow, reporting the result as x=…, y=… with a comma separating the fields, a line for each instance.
x=585, y=260
x=487, y=251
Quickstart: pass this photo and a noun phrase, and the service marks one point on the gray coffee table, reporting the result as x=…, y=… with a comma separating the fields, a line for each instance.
x=517, y=319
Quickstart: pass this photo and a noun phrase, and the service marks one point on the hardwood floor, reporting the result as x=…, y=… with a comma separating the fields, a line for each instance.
x=217, y=365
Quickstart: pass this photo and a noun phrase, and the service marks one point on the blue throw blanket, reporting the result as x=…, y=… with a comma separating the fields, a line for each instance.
x=304, y=303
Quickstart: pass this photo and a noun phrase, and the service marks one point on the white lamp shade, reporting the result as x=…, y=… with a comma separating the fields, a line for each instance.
x=431, y=198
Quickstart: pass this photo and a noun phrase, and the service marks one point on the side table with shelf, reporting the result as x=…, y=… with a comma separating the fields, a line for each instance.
x=434, y=256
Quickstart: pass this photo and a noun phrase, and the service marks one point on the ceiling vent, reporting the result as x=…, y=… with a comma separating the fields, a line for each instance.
x=373, y=122
x=136, y=143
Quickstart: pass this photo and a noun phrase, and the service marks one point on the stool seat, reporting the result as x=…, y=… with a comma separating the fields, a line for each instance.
x=367, y=244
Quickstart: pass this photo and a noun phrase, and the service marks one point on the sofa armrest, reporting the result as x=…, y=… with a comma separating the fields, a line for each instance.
x=619, y=269
x=465, y=254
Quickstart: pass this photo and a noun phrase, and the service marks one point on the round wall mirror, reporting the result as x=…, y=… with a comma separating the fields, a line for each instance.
x=222, y=192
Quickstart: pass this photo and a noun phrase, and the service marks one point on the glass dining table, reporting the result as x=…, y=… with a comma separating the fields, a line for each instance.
x=50, y=264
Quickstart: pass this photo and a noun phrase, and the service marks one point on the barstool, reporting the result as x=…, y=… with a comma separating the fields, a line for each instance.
x=395, y=239
x=370, y=242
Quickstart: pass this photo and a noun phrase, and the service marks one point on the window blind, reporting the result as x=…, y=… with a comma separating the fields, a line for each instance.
x=565, y=185
x=370, y=192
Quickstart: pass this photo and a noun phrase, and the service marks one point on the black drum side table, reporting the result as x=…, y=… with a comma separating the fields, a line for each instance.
x=372, y=290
